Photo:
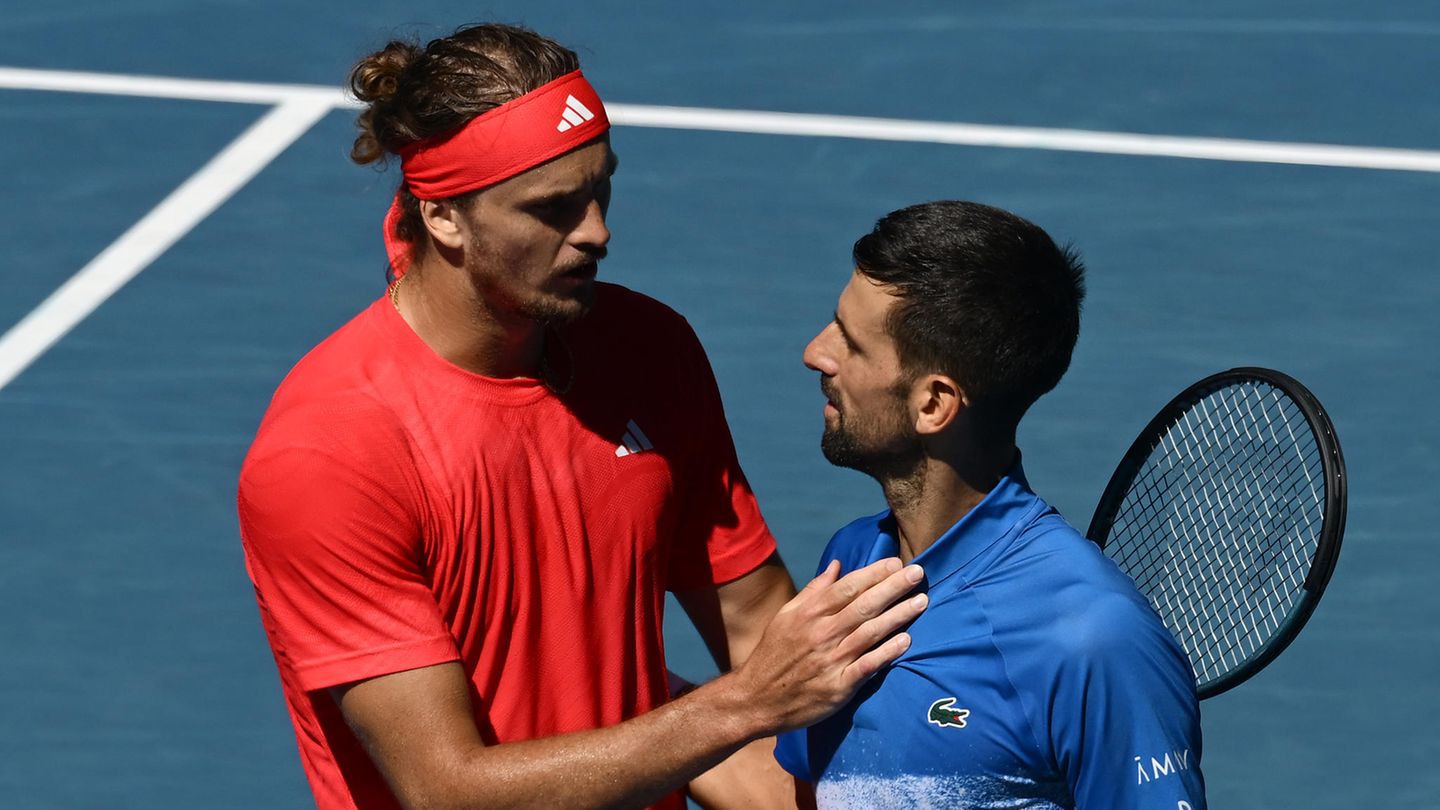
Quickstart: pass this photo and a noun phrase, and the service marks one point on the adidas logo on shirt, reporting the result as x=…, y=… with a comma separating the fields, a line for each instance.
x=575, y=114
x=635, y=441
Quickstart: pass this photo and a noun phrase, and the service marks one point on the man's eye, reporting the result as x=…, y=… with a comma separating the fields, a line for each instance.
x=549, y=208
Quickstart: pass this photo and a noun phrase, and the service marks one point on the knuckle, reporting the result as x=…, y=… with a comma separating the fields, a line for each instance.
x=815, y=635
x=872, y=634
x=874, y=629
x=867, y=609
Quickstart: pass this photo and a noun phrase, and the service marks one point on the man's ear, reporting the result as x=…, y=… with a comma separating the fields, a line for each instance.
x=938, y=400
x=442, y=219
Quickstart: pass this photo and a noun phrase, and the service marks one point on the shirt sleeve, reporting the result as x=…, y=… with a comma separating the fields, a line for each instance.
x=722, y=535
x=790, y=752
x=792, y=748
x=1124, y=722
x=333, y=546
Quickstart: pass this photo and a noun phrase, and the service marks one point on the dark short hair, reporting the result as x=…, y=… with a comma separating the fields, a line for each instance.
x=985, y=297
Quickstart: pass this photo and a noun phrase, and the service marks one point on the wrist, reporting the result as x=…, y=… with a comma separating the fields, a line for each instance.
x=733, y=711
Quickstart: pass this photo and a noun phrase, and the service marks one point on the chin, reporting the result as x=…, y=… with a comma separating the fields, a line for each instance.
x=561, y=309
x=838, y=448
x=893, y=456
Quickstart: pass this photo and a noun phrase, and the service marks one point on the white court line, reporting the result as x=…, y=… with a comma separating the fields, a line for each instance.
x=778, y=123
x=114, y=84
x=1064, y=140
x=298, y=107
x=174, y=217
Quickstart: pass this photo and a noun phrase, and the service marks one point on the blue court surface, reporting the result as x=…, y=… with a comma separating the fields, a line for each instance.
x=133, y=672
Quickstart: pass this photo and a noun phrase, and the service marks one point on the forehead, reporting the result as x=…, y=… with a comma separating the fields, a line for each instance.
x=864, y=305
x=575, y=169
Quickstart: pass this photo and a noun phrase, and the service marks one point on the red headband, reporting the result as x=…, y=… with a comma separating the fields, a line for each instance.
x=496, y=145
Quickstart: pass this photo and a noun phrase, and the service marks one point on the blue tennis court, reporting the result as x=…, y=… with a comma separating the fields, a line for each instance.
x=208, y=232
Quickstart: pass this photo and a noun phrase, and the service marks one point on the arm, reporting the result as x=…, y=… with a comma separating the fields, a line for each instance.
x=732, y=617
x=731, y=620
x=820, y=647
x=1127, y=728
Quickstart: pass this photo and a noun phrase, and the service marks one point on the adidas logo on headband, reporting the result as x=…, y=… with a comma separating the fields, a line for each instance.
x=575, y=114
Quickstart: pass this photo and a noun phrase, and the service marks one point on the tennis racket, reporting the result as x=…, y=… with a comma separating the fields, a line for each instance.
x=1228, y=512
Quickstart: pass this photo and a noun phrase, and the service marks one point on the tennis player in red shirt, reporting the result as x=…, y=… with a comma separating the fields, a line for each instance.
x=463, y=509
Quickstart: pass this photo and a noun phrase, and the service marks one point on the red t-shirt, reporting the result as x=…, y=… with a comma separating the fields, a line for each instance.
x=400, y=512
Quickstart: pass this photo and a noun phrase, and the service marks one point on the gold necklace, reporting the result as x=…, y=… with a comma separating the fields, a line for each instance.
x=395, y=292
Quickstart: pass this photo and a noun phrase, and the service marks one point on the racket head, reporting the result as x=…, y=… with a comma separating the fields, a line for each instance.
x=1228, y=511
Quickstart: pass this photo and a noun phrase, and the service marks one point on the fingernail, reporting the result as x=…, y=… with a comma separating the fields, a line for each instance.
x=893, y=564
x=920, y=601
x=914, y=573
x=903, y=640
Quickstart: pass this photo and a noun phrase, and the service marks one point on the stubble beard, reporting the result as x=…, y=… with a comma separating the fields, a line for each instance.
x=553, y=310
x=885, y=447
x=487, y=271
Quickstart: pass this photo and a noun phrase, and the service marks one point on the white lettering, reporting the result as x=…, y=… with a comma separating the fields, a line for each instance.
x=1157, y=770
x=1173, y=763
x=1183, y=806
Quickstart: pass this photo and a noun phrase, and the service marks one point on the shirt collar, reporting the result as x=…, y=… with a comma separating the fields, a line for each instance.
x=995, y=518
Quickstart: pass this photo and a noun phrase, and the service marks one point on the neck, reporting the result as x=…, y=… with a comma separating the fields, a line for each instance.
x=445, y=311
x=942, y=490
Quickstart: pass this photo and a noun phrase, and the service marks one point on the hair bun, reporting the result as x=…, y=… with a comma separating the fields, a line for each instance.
x=377, y=77
x=375, y=80
x=412, y=93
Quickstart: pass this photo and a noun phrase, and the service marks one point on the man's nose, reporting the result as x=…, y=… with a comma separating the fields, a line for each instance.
x=592, y=230
x=817, y=356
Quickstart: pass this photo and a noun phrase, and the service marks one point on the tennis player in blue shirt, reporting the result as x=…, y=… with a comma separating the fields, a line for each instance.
x=1038, y=677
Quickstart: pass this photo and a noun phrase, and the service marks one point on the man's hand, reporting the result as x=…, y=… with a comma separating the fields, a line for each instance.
x=822, y=645
x=732, y=617
x=826, y=642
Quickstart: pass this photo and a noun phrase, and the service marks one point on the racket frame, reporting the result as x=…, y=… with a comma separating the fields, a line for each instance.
x=1332, y=530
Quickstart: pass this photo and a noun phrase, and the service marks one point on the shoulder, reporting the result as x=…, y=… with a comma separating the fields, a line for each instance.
x=335, y=368
x=1091, y=609
x=328, y=418
x=324, y=472
x=623, y=314
x=632, y=342
x=618, y=300
x=860, y=528
x=344, y=425
x=1074, y=632
x=315, y=444
x=852, y=544
x=336, y=385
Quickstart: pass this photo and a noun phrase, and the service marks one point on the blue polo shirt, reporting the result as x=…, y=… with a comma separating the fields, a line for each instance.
x=1038, y=677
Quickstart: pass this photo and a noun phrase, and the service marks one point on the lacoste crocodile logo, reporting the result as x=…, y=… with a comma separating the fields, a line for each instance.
x=942, y=715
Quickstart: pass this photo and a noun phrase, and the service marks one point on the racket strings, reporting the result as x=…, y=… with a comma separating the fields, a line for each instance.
x=1220, y=524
